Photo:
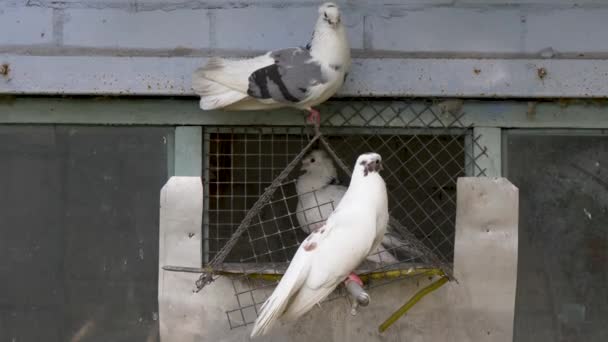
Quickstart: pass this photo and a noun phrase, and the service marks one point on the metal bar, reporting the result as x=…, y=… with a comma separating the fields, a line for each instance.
x=123, y=111
x=184, y=269
x=205, y=228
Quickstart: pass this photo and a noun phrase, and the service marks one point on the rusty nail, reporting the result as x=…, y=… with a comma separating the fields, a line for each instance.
x=4, y=69
x=542, y=72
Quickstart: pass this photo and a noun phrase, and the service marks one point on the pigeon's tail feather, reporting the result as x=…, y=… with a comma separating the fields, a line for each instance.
x=271, y=310
x=222, y=82
x=220, y=101
x=213, y=93
x=275, y=305
x=305, y=299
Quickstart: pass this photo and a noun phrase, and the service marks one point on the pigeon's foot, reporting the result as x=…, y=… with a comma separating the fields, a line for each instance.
x=353, y=277
x=314, y=117
x=354, y=286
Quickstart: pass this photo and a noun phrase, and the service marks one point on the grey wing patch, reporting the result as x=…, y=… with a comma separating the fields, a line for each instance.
x=288, y=79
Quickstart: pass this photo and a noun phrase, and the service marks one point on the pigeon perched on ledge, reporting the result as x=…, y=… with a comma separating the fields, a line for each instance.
x=299, y=77
x=329, y=255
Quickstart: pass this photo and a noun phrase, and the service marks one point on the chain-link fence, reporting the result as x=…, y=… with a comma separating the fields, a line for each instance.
x=424, y=151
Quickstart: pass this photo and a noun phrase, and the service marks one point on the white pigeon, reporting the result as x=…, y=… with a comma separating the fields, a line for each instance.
x=300, y=77
x=319, y=192
x=330, y=254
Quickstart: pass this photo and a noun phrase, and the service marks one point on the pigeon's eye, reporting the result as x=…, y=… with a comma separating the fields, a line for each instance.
x=377, y=161
x=325, y=15
x=312, y=160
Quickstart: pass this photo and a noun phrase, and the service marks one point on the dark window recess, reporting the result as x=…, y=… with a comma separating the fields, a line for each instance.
x=563, y=236
x=79, y=232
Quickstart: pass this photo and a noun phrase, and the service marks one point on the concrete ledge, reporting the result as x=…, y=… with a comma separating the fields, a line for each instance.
x=395, y=77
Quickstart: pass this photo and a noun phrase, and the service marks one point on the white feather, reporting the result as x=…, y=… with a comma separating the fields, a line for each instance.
x=274, y=306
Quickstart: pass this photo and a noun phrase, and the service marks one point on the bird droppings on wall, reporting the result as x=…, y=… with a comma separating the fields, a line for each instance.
x=5, y=69
x=542, y=73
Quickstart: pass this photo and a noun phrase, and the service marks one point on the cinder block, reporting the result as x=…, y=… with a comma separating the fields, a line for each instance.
x=26, y=25
x=275, y=28
x=446, y=30
x=124, y=29
x=568, y=30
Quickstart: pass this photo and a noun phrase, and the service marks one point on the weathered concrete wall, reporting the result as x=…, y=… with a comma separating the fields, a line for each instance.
x=190, y=27
x=120, y=47
x=479, y=308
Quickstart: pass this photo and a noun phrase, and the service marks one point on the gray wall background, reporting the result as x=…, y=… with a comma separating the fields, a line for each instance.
x=563, y=236
x=176, y=28
x=79, y=232
x=151, y=47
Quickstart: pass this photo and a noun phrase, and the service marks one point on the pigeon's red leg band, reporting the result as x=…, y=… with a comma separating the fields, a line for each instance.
x=353, y=277
x=314, y=117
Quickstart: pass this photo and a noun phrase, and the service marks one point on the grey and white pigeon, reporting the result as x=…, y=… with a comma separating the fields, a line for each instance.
x=319, y=192
x=299, y=77
x=329, y=255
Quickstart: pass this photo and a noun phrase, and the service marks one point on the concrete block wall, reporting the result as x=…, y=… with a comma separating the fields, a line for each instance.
x=452, y=48
x=444, y=28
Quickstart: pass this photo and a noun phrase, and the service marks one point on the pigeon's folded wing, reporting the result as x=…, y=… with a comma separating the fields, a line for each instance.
x=289, y=79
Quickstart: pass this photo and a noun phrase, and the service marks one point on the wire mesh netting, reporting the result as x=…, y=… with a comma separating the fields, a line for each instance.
x=424, y=151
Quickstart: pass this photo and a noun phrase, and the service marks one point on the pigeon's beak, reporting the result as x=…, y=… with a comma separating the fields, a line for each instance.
x=334, y=23
x=374, y=166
